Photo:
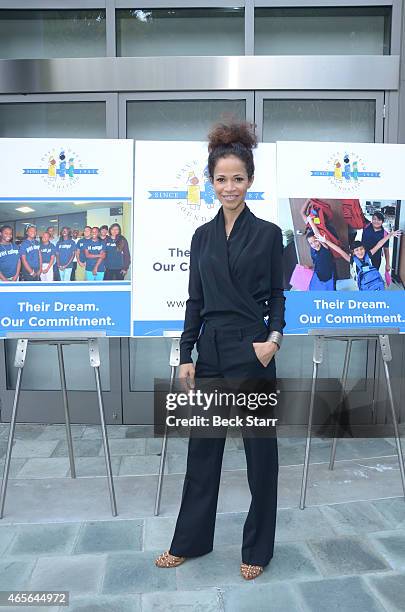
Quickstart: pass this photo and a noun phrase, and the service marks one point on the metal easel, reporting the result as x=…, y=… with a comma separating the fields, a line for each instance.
x=59, y=340
x=174, y=361
x=349, y=336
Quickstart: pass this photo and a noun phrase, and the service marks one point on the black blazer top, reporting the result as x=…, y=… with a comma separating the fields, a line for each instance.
x=236, y=281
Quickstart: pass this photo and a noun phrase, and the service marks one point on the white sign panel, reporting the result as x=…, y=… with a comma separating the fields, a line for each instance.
x=173, y=196
x=340, y=170
x=53, y=168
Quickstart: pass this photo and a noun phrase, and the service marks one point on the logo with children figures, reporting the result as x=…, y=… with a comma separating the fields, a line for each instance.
x=194, y=193
x=346, y=171
x=60, y=168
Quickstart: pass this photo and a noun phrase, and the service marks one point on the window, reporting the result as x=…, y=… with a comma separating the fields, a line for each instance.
x=151, y=32
x=46, y=34
x=53, y=119
x=324, y=120
x=178, y=119
x=323, y=31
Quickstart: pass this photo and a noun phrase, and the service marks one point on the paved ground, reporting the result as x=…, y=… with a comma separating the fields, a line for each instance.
x=345, y=551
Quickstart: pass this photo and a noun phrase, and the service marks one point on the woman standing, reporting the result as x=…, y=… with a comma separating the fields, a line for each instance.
x=118, y=258
x=31, y=257
x=65, y=254
x=236, y=281
x=80, y=256
x=94, y=252
x=10, y=263
x=48, y=252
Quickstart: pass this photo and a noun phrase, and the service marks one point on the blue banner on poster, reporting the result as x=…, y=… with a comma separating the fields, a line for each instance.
x=83, y=311
x=156, y=328
x=203, y=195
x=343, y=310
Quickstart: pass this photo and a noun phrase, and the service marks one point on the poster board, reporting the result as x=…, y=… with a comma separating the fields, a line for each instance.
x=173, y=196
x=352, y=194
x=55, y=184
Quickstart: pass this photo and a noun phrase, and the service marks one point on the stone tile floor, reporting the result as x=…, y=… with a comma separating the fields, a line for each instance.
x=345, y=551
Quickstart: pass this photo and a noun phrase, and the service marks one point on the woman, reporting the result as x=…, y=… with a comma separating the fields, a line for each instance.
x=48, y=252
x=94, y=252
x=65, y=254
x=80, y=256
x=103, y=232
x=372, y=233
x=117, y=258
x=10, y=263
x=31, y=257
x=236, y=280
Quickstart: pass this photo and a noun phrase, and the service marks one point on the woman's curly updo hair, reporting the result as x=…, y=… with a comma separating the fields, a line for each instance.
x=233, y=138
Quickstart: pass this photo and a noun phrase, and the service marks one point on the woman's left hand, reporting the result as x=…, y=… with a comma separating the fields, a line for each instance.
x=265, y=351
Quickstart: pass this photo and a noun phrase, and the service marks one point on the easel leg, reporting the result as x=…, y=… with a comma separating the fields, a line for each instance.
x=308, y=443
x=19, y=361
x=386, y=355
x=95, y=363
x=66, y=410
x=375, y=384
x=163, y=453
x=342, y=397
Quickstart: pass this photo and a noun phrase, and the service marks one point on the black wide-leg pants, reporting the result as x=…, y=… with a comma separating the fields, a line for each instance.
x=229, y=353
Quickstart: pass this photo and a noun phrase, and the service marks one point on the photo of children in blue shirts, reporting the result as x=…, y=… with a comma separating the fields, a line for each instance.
x=10, y=263
x=94, y=253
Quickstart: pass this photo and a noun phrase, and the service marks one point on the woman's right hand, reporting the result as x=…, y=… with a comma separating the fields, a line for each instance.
x=187, y=375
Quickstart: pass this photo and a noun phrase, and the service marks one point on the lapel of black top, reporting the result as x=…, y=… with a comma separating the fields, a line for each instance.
x=239, y=236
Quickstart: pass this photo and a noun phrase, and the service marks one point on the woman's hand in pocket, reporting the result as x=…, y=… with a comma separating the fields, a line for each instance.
x=265, y=351
x=187, y=375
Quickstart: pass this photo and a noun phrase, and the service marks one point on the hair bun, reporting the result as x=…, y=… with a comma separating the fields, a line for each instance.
x=224, y=134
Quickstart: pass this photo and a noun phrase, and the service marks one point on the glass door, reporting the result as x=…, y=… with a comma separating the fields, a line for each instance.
x=74, y=116
x=323, y=116
x=180, y=116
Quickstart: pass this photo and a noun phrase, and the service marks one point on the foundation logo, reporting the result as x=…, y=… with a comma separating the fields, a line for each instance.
x=346, y=171
x=60, y=168
x=194, y=194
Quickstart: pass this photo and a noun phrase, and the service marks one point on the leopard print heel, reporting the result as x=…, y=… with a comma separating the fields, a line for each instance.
x=168, y=560
x=249, y=572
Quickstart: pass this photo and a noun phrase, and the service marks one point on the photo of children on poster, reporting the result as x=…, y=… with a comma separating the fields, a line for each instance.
x=32, y=251
x=343, y=245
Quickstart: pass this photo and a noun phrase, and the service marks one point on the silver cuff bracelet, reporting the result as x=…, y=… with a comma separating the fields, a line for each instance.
x=276, y=337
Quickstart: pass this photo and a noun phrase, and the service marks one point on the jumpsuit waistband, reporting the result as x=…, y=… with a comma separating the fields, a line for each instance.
x=216, y=330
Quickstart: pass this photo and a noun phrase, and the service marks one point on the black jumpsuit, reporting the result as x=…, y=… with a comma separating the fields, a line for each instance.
x=234, y=285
